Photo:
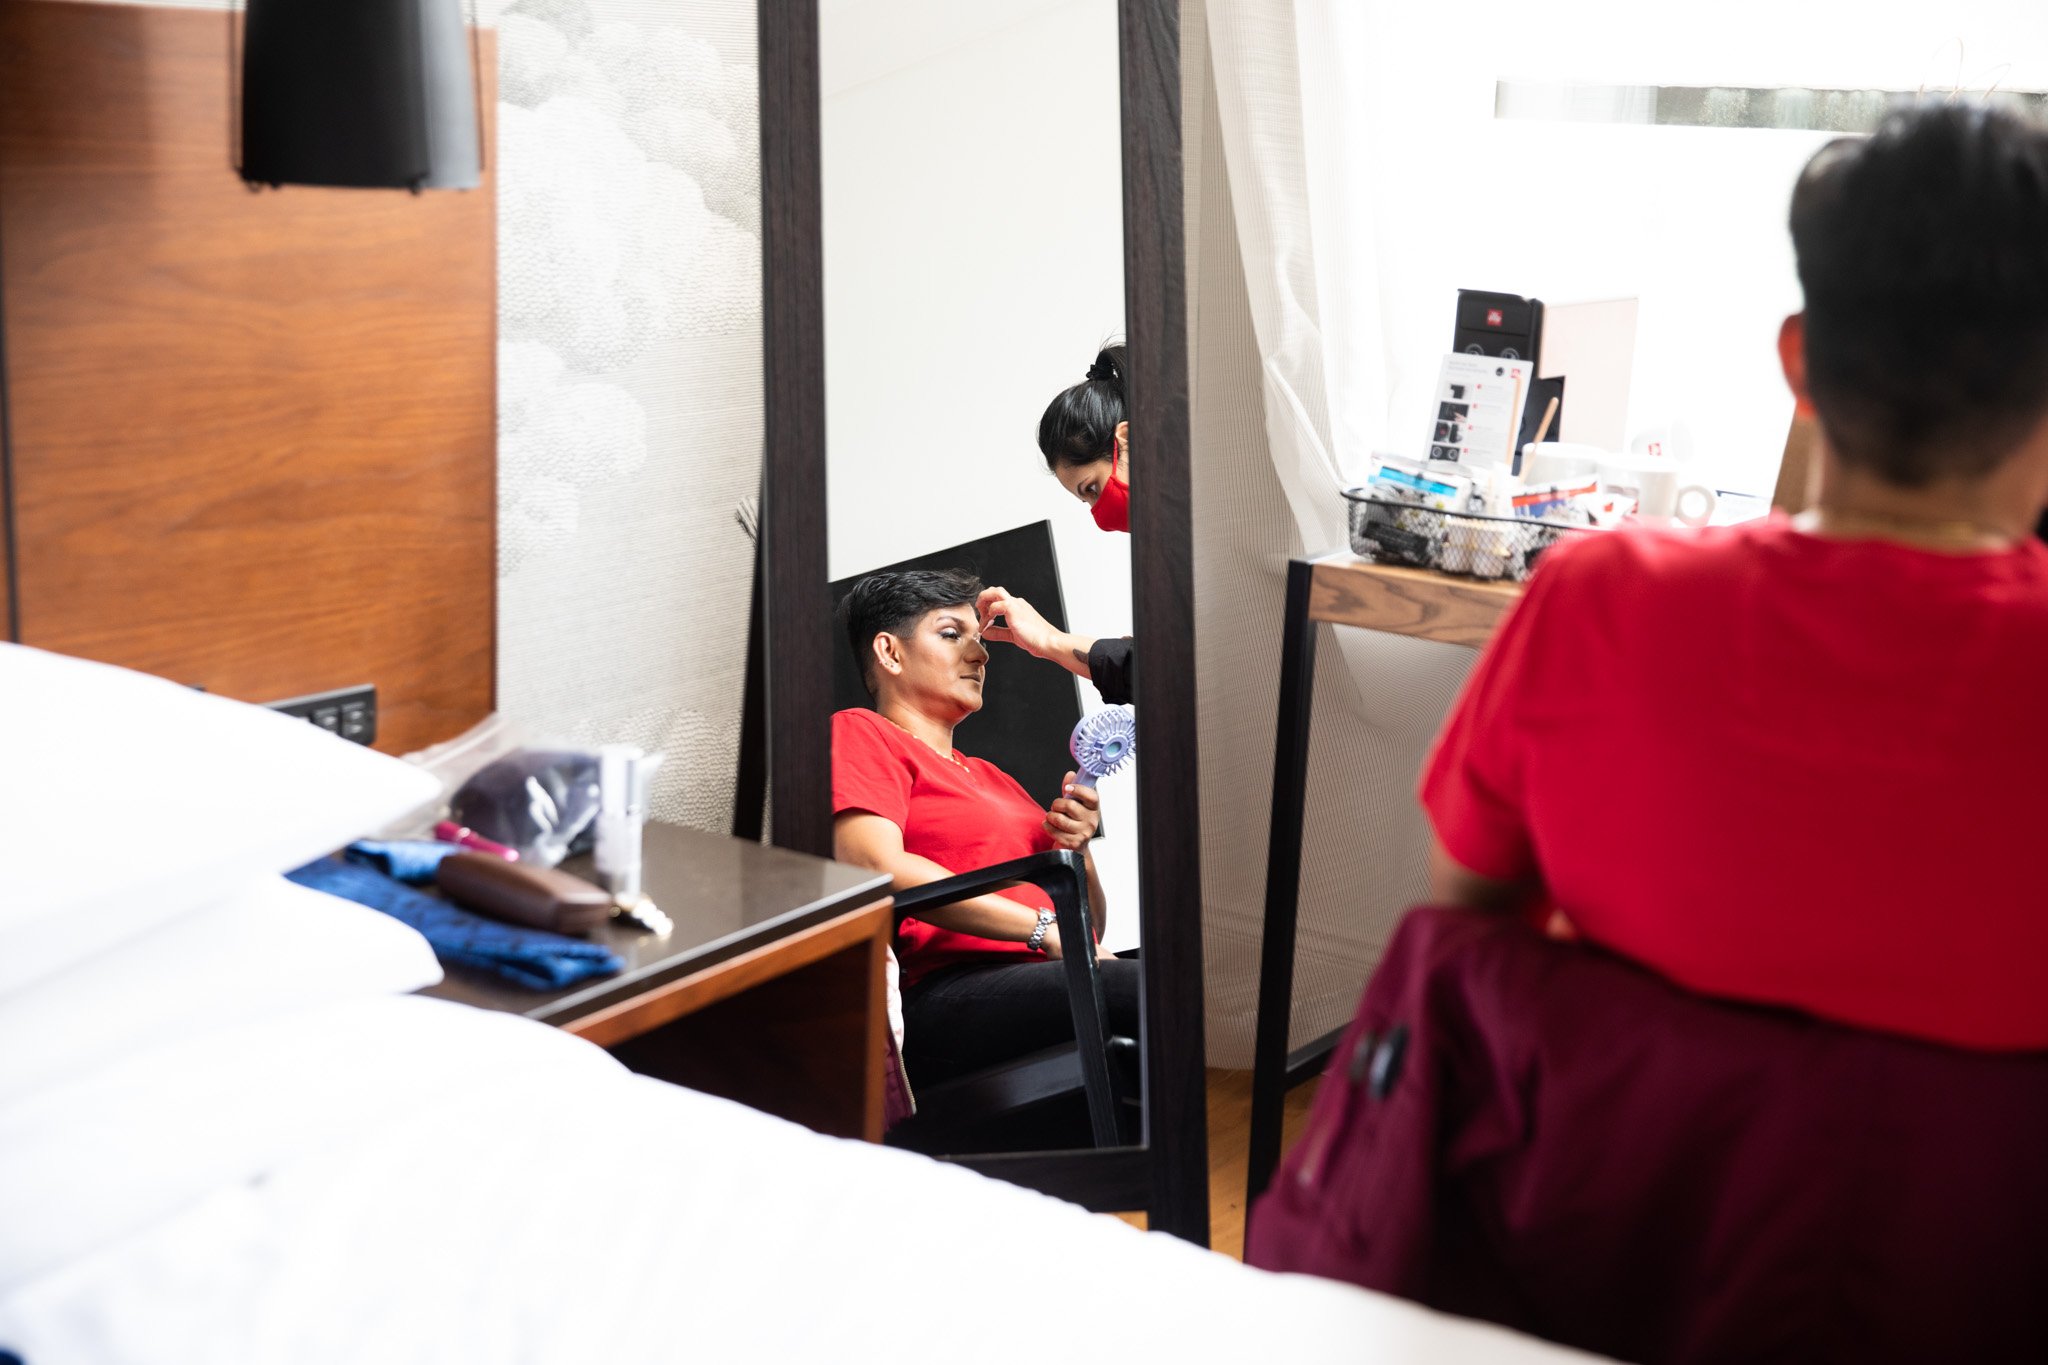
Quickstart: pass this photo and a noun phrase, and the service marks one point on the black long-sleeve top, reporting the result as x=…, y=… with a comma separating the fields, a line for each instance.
x=1113, y=668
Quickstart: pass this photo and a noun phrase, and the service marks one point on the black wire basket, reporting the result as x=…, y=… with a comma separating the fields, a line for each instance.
x=1469, y=545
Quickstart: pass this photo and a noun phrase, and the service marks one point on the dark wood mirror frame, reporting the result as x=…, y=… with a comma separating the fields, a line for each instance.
x=1167, y=1176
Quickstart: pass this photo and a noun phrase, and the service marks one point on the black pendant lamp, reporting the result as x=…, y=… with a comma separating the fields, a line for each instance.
x=373, y=94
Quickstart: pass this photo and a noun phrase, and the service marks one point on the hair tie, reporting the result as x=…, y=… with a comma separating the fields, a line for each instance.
x=1102, y=370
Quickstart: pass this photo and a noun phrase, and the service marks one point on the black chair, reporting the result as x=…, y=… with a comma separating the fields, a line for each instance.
x=1034, y=708
x=967, y=1103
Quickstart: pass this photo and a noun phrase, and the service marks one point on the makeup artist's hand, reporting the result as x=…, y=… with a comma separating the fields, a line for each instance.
x=1074, y=817
x=1021, y=624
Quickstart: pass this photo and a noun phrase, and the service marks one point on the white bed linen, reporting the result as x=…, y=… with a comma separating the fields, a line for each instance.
x=398, y=1180
x=269, y=948
x=131, y=799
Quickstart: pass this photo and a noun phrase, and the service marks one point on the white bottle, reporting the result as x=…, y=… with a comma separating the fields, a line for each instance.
x=624, y=776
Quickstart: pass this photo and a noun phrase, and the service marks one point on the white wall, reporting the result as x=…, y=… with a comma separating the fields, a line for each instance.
x=973, y=265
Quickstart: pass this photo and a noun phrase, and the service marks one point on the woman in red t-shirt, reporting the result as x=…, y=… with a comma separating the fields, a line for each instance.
x=981, y=983
x=1805, y=762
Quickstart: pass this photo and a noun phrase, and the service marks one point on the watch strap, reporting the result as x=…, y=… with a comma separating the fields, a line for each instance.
x=1037, y=939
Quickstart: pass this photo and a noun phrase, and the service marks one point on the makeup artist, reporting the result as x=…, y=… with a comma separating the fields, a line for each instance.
x=1086, y=443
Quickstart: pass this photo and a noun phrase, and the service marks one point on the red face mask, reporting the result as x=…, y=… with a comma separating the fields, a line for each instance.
x=1112, y=510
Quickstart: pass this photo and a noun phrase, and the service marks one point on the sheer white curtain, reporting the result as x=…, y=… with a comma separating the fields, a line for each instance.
x=1346, y=175
x=1289, y=395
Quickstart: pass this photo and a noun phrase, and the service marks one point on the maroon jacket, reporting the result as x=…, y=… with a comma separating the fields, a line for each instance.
x=1564, y=1143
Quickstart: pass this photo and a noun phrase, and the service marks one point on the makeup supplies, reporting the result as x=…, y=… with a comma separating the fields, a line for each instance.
x=521, y=893
x=541, y=802
x=448, y=832
x=1455, y=554
x=1561, y=462
x=1421, y=483
x=1543, y=500
x=1657, y=488
x=1492, y=492
x=1386, y=531
x=1543, y=427
x=1602, y=507
x=625, y=775
x=1480, y=546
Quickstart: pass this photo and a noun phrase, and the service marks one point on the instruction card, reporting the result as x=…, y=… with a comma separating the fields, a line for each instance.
x=1479, y=409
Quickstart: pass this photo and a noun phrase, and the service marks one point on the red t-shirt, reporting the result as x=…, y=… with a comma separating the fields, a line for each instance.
x=1777, y=768
x=962, y=816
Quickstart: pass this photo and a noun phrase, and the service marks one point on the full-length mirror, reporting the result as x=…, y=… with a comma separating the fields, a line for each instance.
x=973, y=286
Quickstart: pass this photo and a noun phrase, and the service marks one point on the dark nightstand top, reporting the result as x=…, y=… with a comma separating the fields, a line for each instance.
x=726, y=896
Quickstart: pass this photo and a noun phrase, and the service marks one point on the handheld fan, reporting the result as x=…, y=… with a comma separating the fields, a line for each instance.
x=1103, y=742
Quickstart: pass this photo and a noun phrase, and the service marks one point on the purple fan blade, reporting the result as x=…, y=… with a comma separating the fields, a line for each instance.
x=1103, y=743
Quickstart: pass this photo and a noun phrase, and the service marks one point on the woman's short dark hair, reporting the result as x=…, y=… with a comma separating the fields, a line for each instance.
x=1923, y=252
x=891, y=603
x=1079, y=426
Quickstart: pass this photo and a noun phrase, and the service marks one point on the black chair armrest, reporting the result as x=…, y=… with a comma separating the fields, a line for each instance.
x=1063, y=876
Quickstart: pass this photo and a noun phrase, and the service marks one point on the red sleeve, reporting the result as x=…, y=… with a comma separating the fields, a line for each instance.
x=1472, y=782
x=866, y=773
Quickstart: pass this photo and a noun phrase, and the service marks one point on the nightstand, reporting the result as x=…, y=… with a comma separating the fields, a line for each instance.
x=769, y=989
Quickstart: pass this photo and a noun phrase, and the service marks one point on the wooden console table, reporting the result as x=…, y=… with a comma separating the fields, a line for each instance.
x=1341, y=590
x=768, y=990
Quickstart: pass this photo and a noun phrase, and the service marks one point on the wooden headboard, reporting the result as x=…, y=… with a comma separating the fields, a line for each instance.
x=249, y=437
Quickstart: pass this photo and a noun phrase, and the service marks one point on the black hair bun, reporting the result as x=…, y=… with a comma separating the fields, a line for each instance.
x=1080, y=423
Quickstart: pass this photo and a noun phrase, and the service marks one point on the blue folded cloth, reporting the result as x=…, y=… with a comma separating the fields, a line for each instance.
x=411, y=861
x=530, y=957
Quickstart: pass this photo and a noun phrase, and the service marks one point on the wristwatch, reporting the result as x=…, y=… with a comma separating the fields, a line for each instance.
x=1037, y=939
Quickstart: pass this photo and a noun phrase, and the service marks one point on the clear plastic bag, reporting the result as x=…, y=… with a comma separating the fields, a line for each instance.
x=540, y=799
x=542, y=802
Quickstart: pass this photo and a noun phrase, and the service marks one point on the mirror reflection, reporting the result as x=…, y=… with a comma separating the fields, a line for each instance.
x=978, y=477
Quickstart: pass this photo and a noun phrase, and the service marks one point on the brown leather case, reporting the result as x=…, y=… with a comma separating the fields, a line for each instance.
x=538, y=897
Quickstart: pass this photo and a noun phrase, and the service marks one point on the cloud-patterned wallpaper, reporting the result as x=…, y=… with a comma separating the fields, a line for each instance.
x=629, y=196
x=629, y=378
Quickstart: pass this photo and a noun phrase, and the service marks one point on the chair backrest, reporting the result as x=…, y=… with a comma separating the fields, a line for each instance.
x=1579, y=1149
x=1029, y=708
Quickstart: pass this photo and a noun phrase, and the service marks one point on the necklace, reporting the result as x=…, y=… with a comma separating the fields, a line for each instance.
x=1958, y=532
x=953, y=754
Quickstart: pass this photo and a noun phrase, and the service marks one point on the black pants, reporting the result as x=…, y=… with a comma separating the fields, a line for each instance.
x=960, y=1019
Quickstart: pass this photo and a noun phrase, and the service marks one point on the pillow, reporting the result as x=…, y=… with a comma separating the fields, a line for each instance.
x=272, y=948
x=128, y=800
x=292, y=1118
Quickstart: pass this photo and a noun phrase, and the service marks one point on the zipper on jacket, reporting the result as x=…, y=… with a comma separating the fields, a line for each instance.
x=1351, y=1081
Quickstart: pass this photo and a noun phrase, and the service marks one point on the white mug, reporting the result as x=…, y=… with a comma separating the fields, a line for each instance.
x=1560, y=462
x=1658, y=493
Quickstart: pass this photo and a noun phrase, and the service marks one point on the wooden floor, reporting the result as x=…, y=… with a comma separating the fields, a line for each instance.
x=1230, y=1121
